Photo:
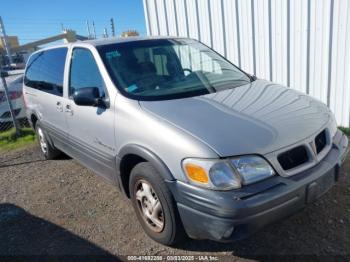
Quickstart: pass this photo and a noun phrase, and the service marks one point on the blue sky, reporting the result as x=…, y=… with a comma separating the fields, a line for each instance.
x=35, y=19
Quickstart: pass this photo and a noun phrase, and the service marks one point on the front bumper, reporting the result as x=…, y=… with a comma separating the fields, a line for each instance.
x=231, y=215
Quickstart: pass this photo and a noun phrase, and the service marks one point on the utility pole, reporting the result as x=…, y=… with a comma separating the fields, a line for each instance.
x=4, y=39
x=94, y=29
x=88, y=29
x=105, y=34
x=112, y=27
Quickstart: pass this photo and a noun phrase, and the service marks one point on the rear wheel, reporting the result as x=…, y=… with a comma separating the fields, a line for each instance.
x=154, y=205
x=48, y=150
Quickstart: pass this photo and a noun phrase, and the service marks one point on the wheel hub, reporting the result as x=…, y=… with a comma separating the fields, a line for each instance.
x=149, y=206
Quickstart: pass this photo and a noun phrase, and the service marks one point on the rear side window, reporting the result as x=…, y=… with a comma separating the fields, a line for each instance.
x=45, y=71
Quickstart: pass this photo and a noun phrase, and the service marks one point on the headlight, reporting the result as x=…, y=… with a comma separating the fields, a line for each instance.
x=226, y=174
x=252, y=168
x=214, y=174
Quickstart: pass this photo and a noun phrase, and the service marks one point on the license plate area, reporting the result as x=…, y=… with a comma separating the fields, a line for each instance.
x=320, y=186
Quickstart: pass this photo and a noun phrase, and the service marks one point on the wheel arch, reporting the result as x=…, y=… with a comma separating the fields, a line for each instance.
x=129, y=156
x=33, y=119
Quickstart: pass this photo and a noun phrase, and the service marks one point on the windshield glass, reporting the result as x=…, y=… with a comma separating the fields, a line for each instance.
x=168, y=68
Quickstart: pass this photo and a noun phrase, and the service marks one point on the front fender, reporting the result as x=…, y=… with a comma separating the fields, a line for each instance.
x=148, y=155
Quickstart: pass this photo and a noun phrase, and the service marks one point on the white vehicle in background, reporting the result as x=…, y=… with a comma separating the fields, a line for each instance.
x=16, y=97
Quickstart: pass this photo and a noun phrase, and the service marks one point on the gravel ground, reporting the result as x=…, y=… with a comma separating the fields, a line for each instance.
x=59, y=207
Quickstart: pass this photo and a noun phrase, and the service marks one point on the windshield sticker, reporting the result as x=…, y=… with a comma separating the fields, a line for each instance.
x=132, y=88
x=112, y=54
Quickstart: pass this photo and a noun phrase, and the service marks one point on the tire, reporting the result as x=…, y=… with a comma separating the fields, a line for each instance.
x=142, y=176
x=48, y=150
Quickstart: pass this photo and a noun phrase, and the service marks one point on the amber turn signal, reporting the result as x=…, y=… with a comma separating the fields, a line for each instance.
x=196, y=173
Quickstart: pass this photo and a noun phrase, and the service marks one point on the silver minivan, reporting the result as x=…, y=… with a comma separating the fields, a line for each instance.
x=200, y=147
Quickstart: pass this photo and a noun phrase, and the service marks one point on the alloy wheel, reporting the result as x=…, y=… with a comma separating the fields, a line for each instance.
x=149, y=206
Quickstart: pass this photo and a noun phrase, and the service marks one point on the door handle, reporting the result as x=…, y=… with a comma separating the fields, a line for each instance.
x=69, y=110
x=59, y=106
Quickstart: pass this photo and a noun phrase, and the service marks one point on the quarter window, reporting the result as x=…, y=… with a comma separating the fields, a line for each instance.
x=84, y=72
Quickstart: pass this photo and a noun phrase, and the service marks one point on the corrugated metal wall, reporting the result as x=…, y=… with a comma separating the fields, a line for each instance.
x=304, y=44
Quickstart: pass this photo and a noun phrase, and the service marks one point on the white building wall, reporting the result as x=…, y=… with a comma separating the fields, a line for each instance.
x=304, y=44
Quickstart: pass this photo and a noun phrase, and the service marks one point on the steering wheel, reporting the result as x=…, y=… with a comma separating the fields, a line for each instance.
x=187, y=70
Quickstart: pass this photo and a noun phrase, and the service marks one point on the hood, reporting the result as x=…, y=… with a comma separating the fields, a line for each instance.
x=257, y=118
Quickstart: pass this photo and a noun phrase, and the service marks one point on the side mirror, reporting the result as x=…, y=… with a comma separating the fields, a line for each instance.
x=89, y=96
x=253, y=77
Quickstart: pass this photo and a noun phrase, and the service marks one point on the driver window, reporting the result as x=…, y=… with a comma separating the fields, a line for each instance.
x=84, y=72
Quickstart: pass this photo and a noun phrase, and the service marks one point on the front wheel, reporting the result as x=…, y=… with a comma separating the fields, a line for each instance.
x=154, y=205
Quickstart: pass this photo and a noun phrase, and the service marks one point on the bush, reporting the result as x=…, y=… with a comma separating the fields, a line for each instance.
x=9, y=140
x=346, y=130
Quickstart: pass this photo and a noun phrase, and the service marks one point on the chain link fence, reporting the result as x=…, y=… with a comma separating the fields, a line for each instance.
x=12, y=105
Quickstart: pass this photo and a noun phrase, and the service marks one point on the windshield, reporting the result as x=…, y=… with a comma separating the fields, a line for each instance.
x=168, y=69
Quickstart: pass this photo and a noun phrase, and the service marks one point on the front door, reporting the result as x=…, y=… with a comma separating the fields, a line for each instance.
x=91, y=129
